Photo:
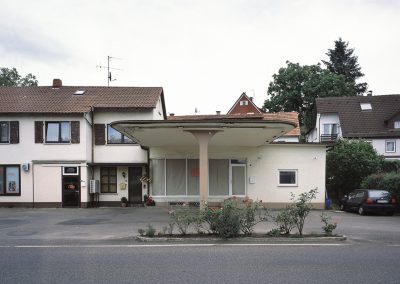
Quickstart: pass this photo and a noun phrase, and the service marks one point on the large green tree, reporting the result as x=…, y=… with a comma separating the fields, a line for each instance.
x=342, y=61
x=11, y=77
x=295, y=88
x=349, y=162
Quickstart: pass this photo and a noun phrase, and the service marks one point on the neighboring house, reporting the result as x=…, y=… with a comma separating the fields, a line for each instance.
x=55, y=139
x=213, y=157
x=245, y=105
x=373, y=118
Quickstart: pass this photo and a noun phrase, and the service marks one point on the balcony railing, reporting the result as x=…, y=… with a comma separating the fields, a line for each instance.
x=328, y=137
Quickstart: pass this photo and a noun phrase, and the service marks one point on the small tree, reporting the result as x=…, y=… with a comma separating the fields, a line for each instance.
x=349, y=162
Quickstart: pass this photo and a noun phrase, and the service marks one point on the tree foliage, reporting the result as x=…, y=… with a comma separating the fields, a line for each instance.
x=11, y=77
x=295, y=88
x=349, y=162
x=343, y=62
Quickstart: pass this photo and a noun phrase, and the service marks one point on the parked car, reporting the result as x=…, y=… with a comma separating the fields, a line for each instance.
x=366, y=201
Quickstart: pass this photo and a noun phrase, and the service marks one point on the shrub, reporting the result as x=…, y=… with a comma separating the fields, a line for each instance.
x=391, y=183
x=328, y=225
x=373, y=181
x=170, y=228
x=141, y=232
x=150, y=231
x=182, y=218
x=251, y=214
x=302, y=207
x=228, y=220
x=389, y=166
x=286, y=220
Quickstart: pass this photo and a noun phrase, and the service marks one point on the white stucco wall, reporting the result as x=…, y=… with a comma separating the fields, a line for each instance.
x=263, y=163
x=380, y=147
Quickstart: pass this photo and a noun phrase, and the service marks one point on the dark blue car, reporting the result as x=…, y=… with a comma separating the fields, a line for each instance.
x=366, y=201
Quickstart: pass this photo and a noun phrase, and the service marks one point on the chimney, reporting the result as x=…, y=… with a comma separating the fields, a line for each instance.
x=172, y=114
x=369, y=94
x=218, y=112
x=251, y=98
x=57, y=83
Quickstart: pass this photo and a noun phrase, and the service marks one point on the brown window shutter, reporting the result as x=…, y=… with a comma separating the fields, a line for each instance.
x=14, y=132
x=99, y=134
x=75, y=132
x=38, y=131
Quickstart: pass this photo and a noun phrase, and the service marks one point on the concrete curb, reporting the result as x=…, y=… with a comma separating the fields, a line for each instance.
x=244, y=239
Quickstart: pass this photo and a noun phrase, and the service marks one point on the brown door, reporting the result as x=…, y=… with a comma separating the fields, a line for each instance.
x=135, y=185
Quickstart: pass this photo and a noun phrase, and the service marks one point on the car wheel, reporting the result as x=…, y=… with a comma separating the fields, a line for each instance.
x=361, y=210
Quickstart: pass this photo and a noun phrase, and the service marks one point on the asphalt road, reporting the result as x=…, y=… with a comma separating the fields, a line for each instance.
x=352, y=263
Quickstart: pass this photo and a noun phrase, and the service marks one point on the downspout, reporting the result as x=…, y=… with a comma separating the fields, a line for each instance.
x=92, y=155
x=33, y=186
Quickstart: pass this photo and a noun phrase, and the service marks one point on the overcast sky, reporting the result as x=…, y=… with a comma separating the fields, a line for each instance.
x=203, y=53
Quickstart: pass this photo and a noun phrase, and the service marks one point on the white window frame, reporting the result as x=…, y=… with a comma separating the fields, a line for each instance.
x=45, y=125
x=288, y=184
x=244, y=103
x=331, y=128
x=394, y=146
x=365, y=106
x=396, y=124
x=8, y=137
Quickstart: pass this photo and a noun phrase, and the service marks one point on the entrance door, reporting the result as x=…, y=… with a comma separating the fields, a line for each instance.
x=238, y=179
x=135, y=185
x=71, y=190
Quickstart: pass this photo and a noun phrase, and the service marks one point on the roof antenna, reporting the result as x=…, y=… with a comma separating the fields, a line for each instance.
x=196, y=111
x=109, y=77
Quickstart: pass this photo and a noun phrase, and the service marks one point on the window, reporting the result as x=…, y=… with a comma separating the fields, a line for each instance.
x=10, y=180
x=244, y=103
x=366, y=106
x=288, y=177
x=331, y=128
x=390, y=146
x=116, y=137
x=397, y=124
x=4, y=132
x=108, y=180
x=58, y=132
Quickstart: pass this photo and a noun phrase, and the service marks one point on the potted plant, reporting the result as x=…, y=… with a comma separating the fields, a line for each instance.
x=124, y=201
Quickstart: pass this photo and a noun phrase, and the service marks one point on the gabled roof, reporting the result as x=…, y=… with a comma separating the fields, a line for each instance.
x=359, y=123
x=250, y=108
x=36, y=99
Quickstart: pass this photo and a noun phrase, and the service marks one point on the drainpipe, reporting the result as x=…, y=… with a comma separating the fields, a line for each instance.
x=92, y=156
x=33, y=186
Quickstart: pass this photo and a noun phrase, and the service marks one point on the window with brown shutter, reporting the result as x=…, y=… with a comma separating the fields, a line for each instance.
x=14, y=132
x=75, y=132
x=38, y=131
x=99, y=134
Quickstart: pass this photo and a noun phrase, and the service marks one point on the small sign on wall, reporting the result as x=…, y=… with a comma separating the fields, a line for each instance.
x=195, y=172
x=252, y=179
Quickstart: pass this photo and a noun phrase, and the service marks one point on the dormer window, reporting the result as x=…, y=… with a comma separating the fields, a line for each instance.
x=244, y=103
x=366, y=106
x=397, y=124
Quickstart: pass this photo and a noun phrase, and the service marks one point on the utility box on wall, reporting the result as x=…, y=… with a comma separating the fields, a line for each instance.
x=94, y=186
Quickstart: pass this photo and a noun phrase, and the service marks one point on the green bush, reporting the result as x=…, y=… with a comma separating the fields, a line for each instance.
x=150, y=231
x=302, y=207
x=228, y=220
x=286, y=219
x=328, y=225
x=391, y=183
x=372, y=181
x=182, y=217
x=389, y=166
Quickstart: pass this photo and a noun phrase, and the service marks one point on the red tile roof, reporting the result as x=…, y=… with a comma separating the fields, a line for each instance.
x=62, y=100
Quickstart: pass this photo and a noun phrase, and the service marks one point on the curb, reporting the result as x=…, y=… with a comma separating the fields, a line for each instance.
x=244, y=239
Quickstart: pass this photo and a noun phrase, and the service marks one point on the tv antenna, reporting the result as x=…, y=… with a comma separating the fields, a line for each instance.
x=109, y=76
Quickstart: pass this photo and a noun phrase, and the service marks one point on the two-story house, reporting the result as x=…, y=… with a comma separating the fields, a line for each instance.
x=55, y=139
x=373, y=118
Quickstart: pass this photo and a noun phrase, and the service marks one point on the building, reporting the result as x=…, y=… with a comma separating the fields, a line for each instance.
x=55, y=139
x=373, y=118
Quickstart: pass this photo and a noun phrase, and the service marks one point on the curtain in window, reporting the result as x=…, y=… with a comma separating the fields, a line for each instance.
x=158, y=177
x=219, y=177
x=52, y=132
x=1, y=180
x=4, y=132
x=12, y=180
x=193, y=176
x=238, y=180
x=176, y=177
x=65, y=132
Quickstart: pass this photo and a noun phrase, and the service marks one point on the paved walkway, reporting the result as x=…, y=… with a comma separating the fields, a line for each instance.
x=121, y=223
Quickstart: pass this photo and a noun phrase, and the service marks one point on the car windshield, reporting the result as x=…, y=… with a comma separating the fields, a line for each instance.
x=378, y=193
